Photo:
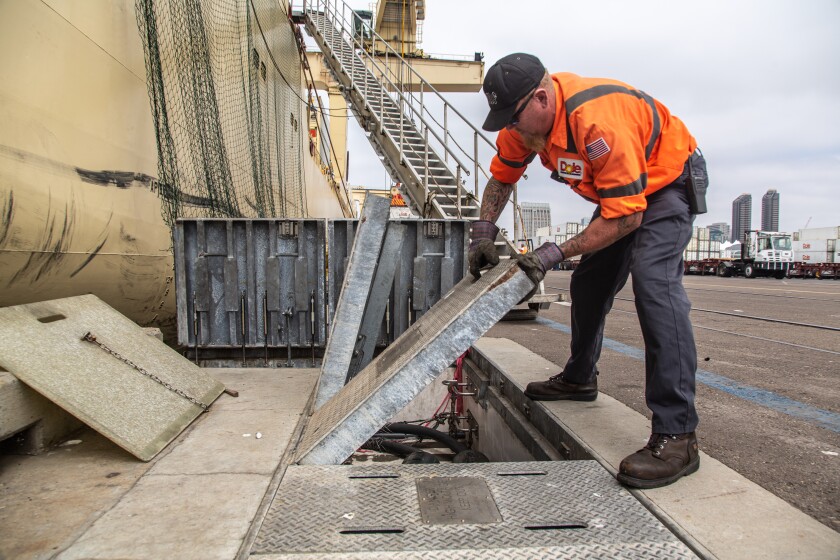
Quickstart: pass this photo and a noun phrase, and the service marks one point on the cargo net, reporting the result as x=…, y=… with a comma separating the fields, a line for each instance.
x=225, y=91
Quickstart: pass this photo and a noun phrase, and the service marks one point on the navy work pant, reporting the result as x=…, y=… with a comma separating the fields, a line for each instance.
x=653, y=254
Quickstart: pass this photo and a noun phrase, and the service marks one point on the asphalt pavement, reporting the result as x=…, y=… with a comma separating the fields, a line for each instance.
x=768, y=390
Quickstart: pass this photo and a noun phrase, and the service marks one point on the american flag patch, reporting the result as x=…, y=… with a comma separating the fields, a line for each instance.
x=596, y=149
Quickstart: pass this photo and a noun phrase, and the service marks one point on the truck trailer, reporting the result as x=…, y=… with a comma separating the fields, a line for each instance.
x=763, y=253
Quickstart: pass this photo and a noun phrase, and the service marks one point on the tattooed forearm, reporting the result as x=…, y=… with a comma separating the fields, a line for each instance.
x=626, y=224
x=576, y=245
x=600, y=233
x=494, y=199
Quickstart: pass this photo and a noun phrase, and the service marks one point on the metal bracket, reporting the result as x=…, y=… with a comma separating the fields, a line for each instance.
x=474, y=386
x=453, y=388
x=288, y=228
x=433, y=230
x=472, y=427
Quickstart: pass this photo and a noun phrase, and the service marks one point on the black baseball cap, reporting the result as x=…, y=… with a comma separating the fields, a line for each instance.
x=509, y=80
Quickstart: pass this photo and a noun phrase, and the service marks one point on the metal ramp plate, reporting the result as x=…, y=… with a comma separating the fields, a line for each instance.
x=350, y=309
x=432, y=259
x=564, y=509
x=398, y=375
x=42, y=345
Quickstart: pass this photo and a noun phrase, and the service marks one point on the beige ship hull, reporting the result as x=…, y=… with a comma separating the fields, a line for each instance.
x=62, y=236
x=78, y=161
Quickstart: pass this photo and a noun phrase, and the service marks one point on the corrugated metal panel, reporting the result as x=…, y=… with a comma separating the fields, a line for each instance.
x=818, y=245
x=260, y=283
x=250, y=283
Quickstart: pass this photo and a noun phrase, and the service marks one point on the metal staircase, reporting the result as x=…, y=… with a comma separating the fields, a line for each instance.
x=405, y=118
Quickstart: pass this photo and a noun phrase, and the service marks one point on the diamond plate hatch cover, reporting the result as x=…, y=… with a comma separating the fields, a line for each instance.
x=564, y=509
x=413, y=361
x=42, y=345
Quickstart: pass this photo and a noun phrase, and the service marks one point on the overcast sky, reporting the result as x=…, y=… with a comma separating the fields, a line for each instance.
x=757, y=83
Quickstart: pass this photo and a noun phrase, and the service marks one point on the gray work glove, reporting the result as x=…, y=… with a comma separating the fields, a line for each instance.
x=537, y=262
x=482, y=250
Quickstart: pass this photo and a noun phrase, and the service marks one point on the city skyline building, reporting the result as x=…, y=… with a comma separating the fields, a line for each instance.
x=535, y=215
x=741, y=216
x=719, y=231
x=770, y=211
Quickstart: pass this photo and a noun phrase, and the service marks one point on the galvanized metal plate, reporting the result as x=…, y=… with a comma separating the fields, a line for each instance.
x=377, y=303
x=438, y=246
x=42, y=346
x=445, y=500
x=352, y=301
x=404, y=369
x=566, y=509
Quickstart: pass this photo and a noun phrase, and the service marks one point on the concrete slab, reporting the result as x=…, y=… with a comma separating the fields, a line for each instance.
x=47, y=501
x=180, y=516
x=99, y=366
x=727, y=514
x=35, y=422
x=270, y=403
x=197, y=499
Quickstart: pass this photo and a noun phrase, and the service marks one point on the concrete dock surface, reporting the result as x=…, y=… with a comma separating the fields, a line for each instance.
x=206, y=495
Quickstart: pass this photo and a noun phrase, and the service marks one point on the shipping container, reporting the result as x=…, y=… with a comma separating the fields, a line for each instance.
x=813, y=256
x=815, y=245
x=819, y=233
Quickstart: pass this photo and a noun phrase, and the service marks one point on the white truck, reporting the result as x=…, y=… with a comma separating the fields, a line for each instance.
x=763, y=253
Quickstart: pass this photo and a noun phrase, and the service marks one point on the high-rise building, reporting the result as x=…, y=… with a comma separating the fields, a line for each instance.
x=741, y=216
x=719, y=231
x=536, y=215
x=770, y=211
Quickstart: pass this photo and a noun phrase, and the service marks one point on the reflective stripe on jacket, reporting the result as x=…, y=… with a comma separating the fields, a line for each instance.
x=611, y=143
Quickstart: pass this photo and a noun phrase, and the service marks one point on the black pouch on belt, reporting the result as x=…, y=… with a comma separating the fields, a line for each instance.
x=698, y=182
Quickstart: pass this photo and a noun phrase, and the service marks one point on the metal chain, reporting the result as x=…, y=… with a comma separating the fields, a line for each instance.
x=89, y=337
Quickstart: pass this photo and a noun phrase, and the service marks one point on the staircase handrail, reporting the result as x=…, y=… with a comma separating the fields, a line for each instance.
x=338, y=8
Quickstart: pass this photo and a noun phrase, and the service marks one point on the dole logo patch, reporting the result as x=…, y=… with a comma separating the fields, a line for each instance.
x=570, y=168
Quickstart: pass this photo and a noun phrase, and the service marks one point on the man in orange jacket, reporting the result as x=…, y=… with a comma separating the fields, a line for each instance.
x=621, y=149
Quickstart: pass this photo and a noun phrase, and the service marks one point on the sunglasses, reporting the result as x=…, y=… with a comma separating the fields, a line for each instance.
x=514, y=119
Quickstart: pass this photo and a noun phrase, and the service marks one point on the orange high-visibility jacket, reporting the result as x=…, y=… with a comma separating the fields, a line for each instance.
x=611, y=143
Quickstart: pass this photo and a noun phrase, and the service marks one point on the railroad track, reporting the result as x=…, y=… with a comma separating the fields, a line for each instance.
x=783, y=296
x=742, y=316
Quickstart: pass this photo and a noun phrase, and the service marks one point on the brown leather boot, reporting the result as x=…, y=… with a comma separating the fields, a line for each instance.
x=555, y=389
x=662, y=461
